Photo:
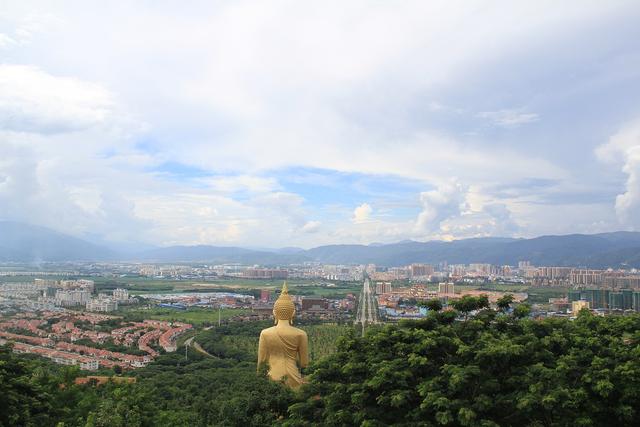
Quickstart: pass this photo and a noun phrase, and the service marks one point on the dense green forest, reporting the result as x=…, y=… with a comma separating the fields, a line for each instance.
x=496, y=368
x=491, y=370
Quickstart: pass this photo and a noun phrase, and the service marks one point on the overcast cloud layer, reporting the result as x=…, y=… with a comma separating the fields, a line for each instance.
x=292, y=123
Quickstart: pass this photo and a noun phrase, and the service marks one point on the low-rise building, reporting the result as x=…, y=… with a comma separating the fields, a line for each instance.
x=103, y=305
x=315, y=304
x=576, y=306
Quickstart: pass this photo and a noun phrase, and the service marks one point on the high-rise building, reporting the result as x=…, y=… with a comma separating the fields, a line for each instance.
x=121, y=294
x=598, y=298
x=636, y=301
x=72, y=297
x=458, y=269
x=555, y=273
x=45, y=283
x=480, y=269
x=421, y=270
x=610, y=280
x=383, y=288
x=627, y=299
x=586, y=277
x=574, y=295
x=616, y=301
x=265, y=295
x=446, y=288
x=604, y=298
x=265, y=273
x=506, y=271
x=78, y=284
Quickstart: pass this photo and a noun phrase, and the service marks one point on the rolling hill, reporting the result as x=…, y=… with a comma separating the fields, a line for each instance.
x=27, y=243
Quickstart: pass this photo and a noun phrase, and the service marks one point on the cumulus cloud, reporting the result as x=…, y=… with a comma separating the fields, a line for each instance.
x=34, y=101
x=624, y=148
x=362, y=213
x=67, y=161
x=446, y=201
x=227, y=91
x=502, y=222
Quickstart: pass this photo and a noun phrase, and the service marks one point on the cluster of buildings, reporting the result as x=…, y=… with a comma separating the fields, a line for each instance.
x=259, y=308
x=57, y=335
x=524, y=272
x=107, y=303
x=103, y=302
x=401, y=302
x=599, y=300
x=605, y=299
x=265, y=273
x=50, y=293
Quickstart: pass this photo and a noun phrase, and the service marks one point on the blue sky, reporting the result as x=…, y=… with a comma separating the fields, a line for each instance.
x=281, y=123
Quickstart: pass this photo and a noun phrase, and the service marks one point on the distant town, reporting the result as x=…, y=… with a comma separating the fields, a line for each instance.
x=80, y=313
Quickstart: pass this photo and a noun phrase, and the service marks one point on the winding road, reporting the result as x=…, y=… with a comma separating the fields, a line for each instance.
x=198, y=347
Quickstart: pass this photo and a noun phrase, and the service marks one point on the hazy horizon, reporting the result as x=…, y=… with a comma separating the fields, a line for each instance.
x=279, y=124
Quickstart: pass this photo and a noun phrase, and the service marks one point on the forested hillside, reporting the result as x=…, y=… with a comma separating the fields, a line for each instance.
x=493, y=369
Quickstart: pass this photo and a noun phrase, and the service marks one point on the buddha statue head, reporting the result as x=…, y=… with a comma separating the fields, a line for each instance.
x=283, y=308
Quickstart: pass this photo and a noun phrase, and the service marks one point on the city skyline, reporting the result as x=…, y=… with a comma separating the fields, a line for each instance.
x=280, y=124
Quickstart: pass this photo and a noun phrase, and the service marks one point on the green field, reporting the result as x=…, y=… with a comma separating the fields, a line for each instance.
x=541, y=295
x=143, y=285
x=303, y=287
x=195, y=315
x=28, y=279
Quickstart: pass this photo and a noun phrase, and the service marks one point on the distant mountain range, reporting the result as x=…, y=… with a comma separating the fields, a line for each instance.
x=29, y=243
x=26, y=243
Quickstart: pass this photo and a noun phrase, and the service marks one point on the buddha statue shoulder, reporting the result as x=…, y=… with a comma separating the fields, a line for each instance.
x=283, y=347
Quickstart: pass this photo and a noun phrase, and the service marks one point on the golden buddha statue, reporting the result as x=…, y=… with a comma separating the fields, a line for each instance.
x=282, y=346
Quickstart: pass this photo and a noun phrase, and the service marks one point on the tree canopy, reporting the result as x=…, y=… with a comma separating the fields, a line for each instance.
x=488, y=371
x=451, y=368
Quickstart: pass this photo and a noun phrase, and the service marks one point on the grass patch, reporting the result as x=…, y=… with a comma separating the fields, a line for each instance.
x=197, y=316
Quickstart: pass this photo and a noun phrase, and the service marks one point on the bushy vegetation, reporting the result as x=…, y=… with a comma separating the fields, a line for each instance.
x=173, y=391
x=490, y=370
x=496, y=368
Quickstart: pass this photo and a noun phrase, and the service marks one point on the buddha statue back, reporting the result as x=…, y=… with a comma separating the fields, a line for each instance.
x=283, y=347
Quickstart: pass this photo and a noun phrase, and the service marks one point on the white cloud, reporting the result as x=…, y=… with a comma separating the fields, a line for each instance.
x=6, y=41
x=509, y=118
x=67, y=158
x=444, y=202
x=502, y=222
x=237, y=183
x=239, y=90
x=34, y=101
x=624, y=148
x=362, y=213
x=311, y=227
